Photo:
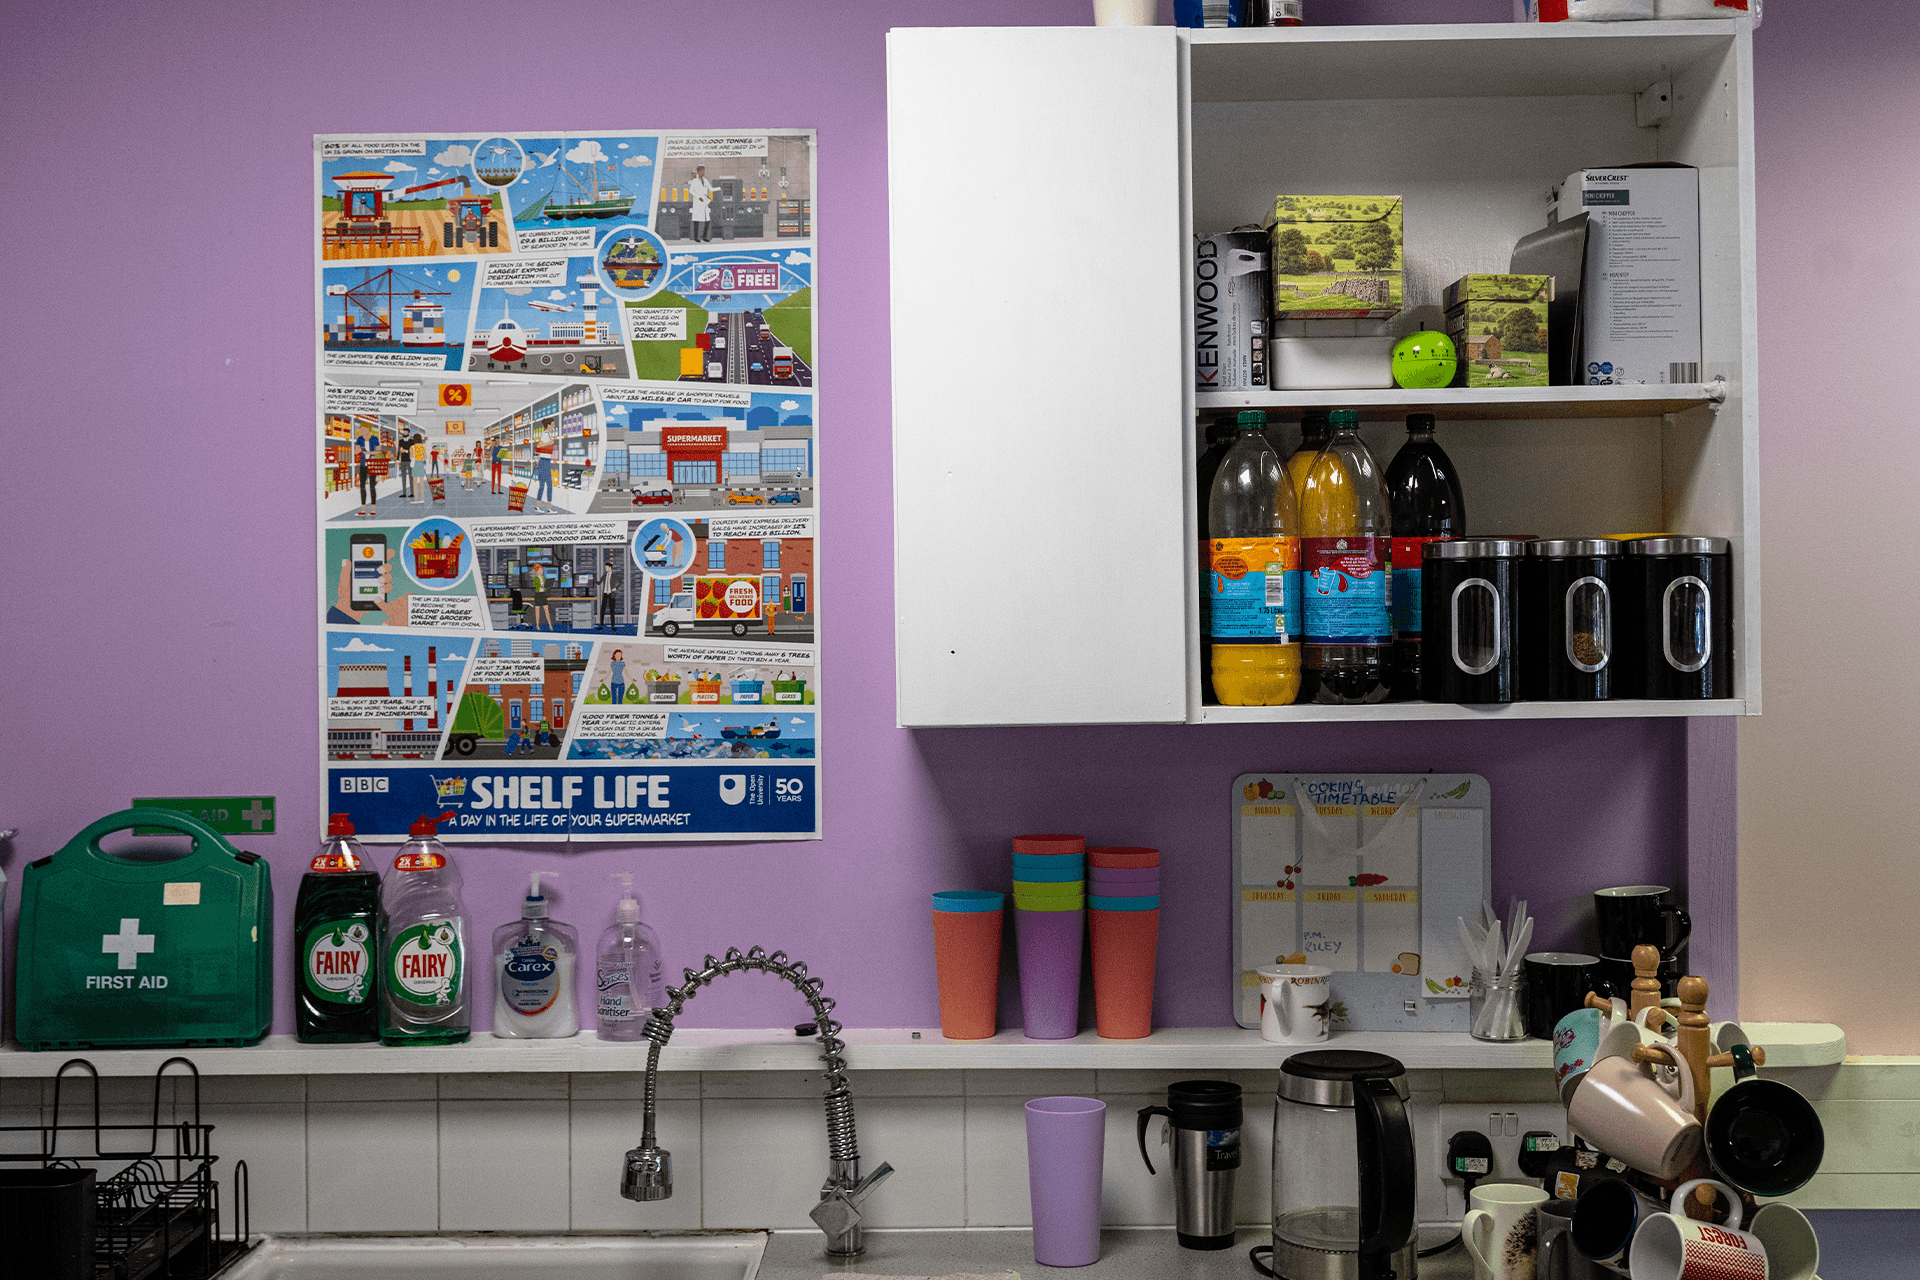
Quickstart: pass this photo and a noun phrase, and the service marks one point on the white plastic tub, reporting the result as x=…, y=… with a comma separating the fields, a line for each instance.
x=1331, y=363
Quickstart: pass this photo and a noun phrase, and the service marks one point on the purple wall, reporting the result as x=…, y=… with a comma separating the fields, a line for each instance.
x=157, y=209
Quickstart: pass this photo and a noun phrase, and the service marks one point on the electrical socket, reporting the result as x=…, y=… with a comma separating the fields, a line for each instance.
x=1503, y=1123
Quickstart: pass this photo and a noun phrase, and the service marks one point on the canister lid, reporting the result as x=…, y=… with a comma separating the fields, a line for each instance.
x=1561, y=548
x=1679, y=547
x=1475, y=549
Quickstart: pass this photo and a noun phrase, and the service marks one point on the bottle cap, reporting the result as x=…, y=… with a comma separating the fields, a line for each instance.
x=427, y=825
x=1344, y=419
x=339, y=825
x=535, y=907
x=1252, y=418
x=1313, y=423
x=1420, y=422
x=627, y=910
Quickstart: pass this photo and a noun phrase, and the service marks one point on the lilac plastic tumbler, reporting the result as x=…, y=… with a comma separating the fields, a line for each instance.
x=1066, y=1139
x=1049, y=944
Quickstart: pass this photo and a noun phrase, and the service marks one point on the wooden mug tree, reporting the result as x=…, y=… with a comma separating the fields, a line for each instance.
x=1694, y=1042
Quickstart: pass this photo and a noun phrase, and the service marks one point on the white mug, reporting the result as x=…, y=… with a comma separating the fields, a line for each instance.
x=1620, y=1110
x=1500, y=1230
x=1296, y=1003
x=1793, y=1250
x=1125, y=13
x=1723, y=1036
x=1672, y=1246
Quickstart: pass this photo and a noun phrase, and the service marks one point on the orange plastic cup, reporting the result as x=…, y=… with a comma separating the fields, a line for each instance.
x=1124, y=943
x=1123, y=856
x=966, y=955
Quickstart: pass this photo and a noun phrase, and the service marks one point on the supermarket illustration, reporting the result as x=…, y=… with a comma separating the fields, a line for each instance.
x=390, y=696
x=410, y=318
x=753, y=450
x=563, y=329
x=734, y=189
x=570, y=181
x=739, y=317
x=460, y=449
x=422, y=199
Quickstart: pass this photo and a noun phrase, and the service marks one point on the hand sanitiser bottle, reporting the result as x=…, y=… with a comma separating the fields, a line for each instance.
x=334, y=924
x=533, y=973
x=627, y=970
x=423, y=944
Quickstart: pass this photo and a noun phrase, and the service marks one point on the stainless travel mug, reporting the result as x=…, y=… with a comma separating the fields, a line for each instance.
x=1206, y=1116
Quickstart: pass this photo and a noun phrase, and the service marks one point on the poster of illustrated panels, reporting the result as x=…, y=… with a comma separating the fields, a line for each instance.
x=567, y=441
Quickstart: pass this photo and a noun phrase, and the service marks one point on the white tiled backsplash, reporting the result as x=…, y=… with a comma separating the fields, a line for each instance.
x=543, y=1152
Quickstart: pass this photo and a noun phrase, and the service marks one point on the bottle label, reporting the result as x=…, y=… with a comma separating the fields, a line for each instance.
x=1254, y=590
x=616, y=995
x=530, y=978
x=1407, y=553
x=423, y=962
x=425, y=860
x=1345, y=590
x=338, y=966
x=326, y=862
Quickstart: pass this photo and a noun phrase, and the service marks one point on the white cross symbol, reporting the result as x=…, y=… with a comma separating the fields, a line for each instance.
x=256, y=816
x=128, y=943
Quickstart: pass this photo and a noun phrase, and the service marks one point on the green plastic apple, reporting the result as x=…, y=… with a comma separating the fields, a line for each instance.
x=1424, y=359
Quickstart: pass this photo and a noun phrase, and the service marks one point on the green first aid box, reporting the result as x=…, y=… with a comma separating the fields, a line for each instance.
x=117, y=952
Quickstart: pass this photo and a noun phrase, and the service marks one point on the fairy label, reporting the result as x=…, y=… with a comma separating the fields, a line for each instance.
x=338, y=967
x=424, y=962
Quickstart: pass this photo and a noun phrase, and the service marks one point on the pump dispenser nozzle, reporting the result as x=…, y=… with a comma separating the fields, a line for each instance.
x=535, y=907
x=627, y=910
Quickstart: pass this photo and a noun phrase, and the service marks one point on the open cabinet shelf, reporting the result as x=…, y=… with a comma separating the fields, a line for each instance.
x=1045, y=426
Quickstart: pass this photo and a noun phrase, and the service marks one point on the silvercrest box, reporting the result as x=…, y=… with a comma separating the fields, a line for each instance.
x=1498, y=323
x=1230, y=311
x=1337, y=257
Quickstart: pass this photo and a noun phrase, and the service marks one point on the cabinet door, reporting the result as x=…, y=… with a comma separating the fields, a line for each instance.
x=1040, y=554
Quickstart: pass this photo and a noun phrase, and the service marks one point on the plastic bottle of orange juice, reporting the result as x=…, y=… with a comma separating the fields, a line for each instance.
x=1313, y=438
x=1346, y=528
x=1253, y=578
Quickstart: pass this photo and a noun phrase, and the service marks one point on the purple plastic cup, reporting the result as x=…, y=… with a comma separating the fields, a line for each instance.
x=1066, y=1140
x=1123, y=890
x=1048, y=944
x=1125, y=875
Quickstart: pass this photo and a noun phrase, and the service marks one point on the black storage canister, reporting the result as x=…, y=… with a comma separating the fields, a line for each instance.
x=1569, y=625
x=1683, y=616
x=1468, y=591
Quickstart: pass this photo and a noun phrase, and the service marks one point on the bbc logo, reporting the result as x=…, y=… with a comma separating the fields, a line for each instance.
x=348, y=784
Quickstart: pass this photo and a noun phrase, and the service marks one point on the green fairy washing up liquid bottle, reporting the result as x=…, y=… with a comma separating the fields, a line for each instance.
x=423, y=944
x=335, y=926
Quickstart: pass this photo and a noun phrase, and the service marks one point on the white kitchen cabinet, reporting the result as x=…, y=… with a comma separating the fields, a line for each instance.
x=1046, y=184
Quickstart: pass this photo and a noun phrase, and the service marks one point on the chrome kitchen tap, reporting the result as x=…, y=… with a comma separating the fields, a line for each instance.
x=648, y=1174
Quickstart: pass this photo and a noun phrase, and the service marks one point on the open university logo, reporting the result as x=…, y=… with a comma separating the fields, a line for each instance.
x=733, y=787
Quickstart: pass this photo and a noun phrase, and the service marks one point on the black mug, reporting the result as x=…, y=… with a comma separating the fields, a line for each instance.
x=1613, y=976
x=1763, y=1136
x=1633, y=914
x=1557, y=984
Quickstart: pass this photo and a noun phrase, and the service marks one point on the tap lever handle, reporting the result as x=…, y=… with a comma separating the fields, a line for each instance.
x=862, y=1189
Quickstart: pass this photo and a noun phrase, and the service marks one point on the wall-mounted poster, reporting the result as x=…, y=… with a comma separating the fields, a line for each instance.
x=567, y=442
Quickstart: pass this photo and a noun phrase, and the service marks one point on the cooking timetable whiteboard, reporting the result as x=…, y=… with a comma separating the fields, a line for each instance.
x=1366, y=875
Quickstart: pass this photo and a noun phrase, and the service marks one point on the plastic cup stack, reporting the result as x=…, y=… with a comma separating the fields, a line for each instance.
x=1049, y=929
x=966, y=956
x=1123, y=918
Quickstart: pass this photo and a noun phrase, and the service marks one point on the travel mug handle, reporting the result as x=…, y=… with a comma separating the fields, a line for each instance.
x=1384, y=1141
x=1141, y=1133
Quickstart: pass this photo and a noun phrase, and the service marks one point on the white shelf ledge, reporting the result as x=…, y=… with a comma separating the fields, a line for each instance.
x=868, y=1049
x=1621, y=708
x=1476, y=404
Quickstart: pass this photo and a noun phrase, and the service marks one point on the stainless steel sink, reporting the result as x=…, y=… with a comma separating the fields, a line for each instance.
x=697, y=1256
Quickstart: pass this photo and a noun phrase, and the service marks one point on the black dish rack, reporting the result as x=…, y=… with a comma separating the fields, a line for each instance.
x=156, y=1215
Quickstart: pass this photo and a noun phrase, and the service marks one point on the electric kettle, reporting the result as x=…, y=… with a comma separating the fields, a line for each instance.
x=1343, y=1169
